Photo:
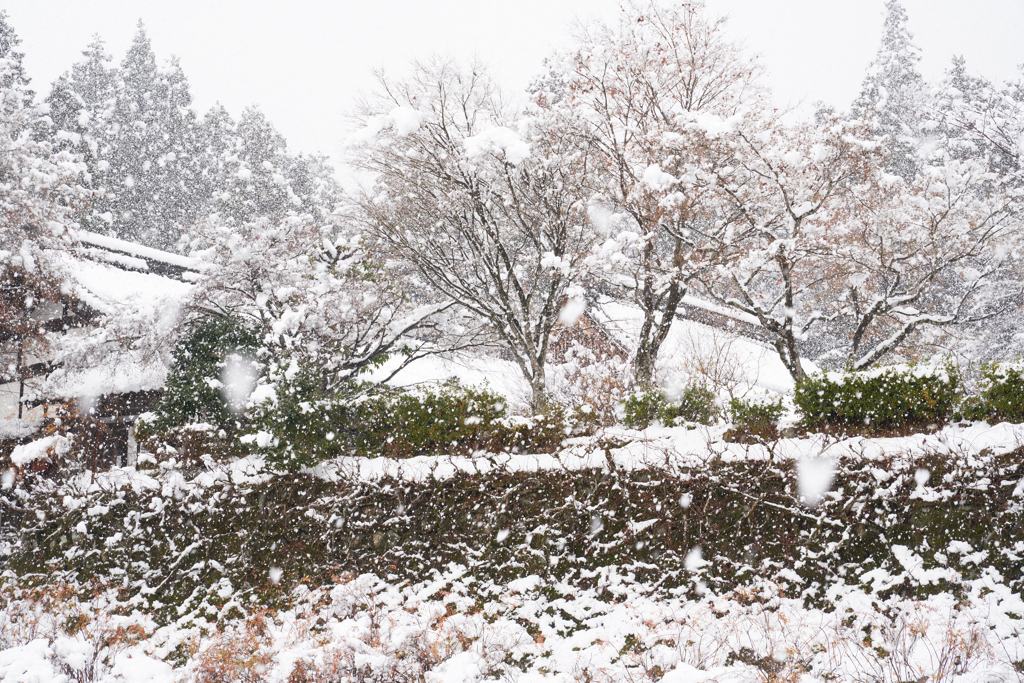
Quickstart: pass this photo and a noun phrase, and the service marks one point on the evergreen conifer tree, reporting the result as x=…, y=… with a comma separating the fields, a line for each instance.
x=254, y=176
x=82, y=104
x=14, y=74
x=216, y=140
x=154, y=175
x=157, y=170
x=959, y=93
x=893, y=92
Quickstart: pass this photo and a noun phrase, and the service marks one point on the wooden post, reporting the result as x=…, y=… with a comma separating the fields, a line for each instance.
x=21, y=378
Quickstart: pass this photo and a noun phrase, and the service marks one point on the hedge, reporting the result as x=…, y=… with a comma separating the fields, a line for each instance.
x=695, y=404
x=884, y=398
x=1002, y=392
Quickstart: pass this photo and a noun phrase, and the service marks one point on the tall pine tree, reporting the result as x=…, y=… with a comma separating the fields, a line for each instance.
x=154, y=172
x=158, y=170
x=959, y=95
x=893, y=92
x=252, y=174
x=975, y=119
x=14, y=73
x=82, y=105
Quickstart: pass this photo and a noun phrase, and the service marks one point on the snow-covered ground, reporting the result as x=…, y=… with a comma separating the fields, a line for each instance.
x=693, y=351
x=453, y=628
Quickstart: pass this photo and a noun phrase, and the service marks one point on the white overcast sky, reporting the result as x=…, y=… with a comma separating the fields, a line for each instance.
x=304, y=62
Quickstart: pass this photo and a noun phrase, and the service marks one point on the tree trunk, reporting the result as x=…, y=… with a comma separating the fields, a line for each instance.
x=643, y=366
x=653, y=333
x=538, y=385
x=21, y=378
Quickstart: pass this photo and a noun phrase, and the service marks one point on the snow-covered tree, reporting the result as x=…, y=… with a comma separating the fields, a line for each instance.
x=157, y=169
x=893, y=94
x=649, y=97
x=14, y=74
x=848, y=264
x=316, y=298
x=944, y=250
x=250, y=174
x=39, y=189
x=153, y=176
x=136, y=131
x=798, y=189
x=82, y=105
x=971, y=118
x=485, y=206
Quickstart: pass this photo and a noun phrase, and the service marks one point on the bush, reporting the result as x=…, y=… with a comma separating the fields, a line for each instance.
x=755, y=418
x=295, y=425
x=696, y=403
x=1002, y=395
x=543, y=433
x=971, y=408
x=301, y=427
x=448, y=419
x=894, y=397
x=643, y=408
x=189, y=447
x=193, y=392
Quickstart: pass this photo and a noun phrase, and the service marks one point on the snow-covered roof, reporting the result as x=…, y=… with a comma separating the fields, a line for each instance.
x=126, y=373
x=143, y=307
x=725, y=311
x=108, y=288
x=141, y=254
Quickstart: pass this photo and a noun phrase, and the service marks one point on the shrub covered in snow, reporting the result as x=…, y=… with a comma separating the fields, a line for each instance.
x=302, y=426
x=1002, y=392
x=695, y=403
x=203, y=385
x=448, y=418
x=908, y=566
x=755, y=417
x=238, y=536
x=893, y=397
